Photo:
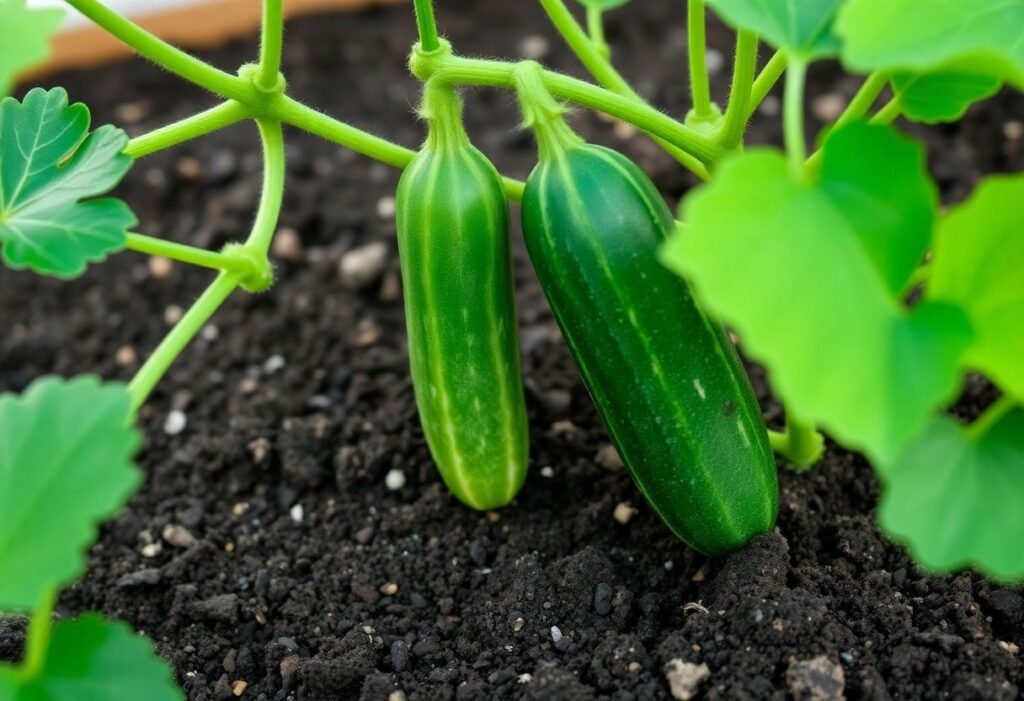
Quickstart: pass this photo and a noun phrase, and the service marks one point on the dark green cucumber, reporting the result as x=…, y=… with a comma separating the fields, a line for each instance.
x=453, y=235
x=667, y=380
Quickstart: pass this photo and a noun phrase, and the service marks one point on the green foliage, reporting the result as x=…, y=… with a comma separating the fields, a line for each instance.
x=797, y=267
x=954, y=496
x=603, y=5
x=804, y=28
x=976, y=37
x=66, y=452
x=93, y=660
x=942, y=96
x=26, y=38
x=50, y=164
x=979, y=251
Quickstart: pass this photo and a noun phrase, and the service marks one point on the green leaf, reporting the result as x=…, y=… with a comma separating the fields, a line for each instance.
x=801, y=27
x=955, y=497
x=603, y=5
x=941, y=97
x=978, y=37
x=26, y=38
x=49, y=164
x=94, y=660
x=978, y=256
x=811, y=276
x=66, y=452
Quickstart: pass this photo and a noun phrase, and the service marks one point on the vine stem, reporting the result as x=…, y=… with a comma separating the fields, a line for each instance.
x=427, y=25
x=189, y=254
x=598, y=65
x=800, y=444
x=992, y=416
x=271, y=43
x=163, y=54
x=39, y=629
x=737, y=113
x=466, y=71
x=700, y=84
x=766, y=80
x=793, y=115
x=214, y=119
x=595, y=28
x=272, y=196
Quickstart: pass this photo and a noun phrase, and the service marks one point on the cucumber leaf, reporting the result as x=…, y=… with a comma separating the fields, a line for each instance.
x=26, y=38
x=803, y=28
x=954, y=497
x=49, y=165
x=91, y=659
x=603, y=5
x=66, y=452
x=977, y=266
x=980, y=37
x=943, y=96
x=812, y=270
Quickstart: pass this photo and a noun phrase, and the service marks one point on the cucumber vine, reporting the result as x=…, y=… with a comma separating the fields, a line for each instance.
x=810, y=258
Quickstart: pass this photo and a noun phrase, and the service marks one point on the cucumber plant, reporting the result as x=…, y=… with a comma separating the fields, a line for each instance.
x=837, y=269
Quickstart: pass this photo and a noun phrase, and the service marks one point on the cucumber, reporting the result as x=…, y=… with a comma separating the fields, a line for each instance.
x=667, y=381
x=453, y=236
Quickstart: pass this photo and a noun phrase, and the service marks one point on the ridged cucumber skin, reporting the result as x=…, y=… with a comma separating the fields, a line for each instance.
x=453, y=236
x=667, y=381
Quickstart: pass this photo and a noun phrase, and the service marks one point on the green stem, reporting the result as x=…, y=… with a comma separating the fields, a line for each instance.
x=163, y=54
x=700, y=84
x=992, y=416
x=801, y=444
x=466, y=71
x=427, y=25
x=310, y=120
x=271, y=44
x=738, y=112
x=181, y=335
x=889, y=113
x=604, y=73
x=263, y=228
x=766, y=80
x=39, y=629
x=189, y=254
x=793, y=115
x=595, y=28
x=213, y=119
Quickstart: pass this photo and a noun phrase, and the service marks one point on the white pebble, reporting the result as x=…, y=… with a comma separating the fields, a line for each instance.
x=535, y=47
x=715, y=61
x=151, y=550
x=771, y=106
x=273, y=364
x=175, y=423
x=556, y=634
x=395, y=480
x=210, y=333
x=363, y=266
x=297, y=513
x=386, y=207
x=547, y=472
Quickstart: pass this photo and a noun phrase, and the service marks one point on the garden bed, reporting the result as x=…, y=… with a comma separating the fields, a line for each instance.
x=274, y=550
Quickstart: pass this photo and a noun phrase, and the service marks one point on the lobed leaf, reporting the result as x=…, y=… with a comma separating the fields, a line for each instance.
x=942, y=96
x=49, y=166
x=804, y=28
x=66, y=452
x=977, y=266
x=91, y=659
x=803, y=269
x=26, y=38
x=976, y=37
x=954, y=497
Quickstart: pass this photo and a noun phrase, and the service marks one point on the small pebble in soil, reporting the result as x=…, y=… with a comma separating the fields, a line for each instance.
x=418, y=601
x=189, y=168
x=602, y=599
x=608, y=458
x=258, y=451
x=149, y=576
x=172, y=314
x=175, y=423
x=547, y=472
x=715, y=61
x=534, y=47
x=151, y=550
x=389, y=589
x=1013, y=130
x=288, y=245
x=297, y=513
x=160, y=268
x=386, y=207
x=239, y=687
x=274, y=363
x=828, y=107
x=397, y=696
x=624, y=512
x=178, y=536
x=685, y=678
x=770, y=107
x=363, y=266
x=126, y=357
x=395, y=479
x=400, y=655
x=816, y=679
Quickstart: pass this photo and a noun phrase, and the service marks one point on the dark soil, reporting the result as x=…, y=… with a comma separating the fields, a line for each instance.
x=292, y=571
